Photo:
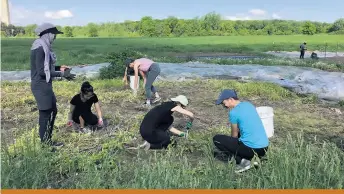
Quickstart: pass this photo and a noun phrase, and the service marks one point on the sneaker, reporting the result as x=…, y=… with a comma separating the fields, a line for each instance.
x=157, y=99
x=57, y=144
x=147, y=106
x=85, y=130
x=243, y=166
x=145, y=145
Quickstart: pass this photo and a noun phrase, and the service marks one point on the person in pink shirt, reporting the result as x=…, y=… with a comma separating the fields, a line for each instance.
x=149, y=71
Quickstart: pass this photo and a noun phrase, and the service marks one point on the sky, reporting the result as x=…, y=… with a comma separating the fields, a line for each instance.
x=81, y=12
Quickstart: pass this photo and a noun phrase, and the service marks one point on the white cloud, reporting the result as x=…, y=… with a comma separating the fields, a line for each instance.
x=253, y=14
x=276, y=16
x=58, y=14
x=257, y=12
x=237, y=17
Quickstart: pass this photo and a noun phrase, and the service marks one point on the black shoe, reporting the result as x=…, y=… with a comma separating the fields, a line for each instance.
x=221, y=156
x=57, y=144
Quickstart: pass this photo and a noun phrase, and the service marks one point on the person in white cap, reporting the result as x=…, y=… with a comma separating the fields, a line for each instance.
x=43, y=69
x=157, y=123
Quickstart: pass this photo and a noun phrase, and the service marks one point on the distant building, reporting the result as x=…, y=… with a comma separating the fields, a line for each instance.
x=5, y=13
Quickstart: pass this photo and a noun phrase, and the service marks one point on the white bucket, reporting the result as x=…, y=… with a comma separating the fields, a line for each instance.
x=266, y=114
x=132, y=81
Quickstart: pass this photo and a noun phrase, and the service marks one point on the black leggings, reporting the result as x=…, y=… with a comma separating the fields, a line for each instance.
x=46, y=123
x=89, y=118
x=232, y=146
x=159, y=137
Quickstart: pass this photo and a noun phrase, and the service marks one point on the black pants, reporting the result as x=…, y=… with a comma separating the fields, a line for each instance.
x=46, y=123
x=302, y=54
x=231, y=146
x=159, y=137
x=88, y=117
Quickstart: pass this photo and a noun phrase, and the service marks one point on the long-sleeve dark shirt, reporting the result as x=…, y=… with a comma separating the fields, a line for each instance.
x=42, y=91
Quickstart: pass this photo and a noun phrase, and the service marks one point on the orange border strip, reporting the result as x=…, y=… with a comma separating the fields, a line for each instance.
x=167, y=191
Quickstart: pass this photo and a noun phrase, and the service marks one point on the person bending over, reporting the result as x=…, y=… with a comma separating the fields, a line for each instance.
x=158, y=122
x=149, y=71
x=248, y=136
x=80, y=108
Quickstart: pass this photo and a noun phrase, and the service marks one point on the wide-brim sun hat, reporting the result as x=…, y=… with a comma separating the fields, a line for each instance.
x=181, y=99
x=47, y=28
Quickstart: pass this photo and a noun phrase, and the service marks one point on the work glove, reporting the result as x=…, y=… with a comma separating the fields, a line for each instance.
x=100, y=122
x=188, y=125
x=184, y=134
x=69, y=123
x=66, y=74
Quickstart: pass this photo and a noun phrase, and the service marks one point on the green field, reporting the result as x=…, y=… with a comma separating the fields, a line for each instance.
x=72, y=51
x=306, y=151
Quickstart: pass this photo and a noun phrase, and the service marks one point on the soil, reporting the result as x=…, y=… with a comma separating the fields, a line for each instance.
x=337, y=60
x=122, y=113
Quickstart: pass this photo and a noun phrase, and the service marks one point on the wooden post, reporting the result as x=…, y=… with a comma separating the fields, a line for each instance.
x=5, y=13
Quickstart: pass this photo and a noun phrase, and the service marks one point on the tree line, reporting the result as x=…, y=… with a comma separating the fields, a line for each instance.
x=209, y=25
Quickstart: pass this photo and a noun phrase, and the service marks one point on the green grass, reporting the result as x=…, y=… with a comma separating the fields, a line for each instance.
x=301, y=155
x=15, y=53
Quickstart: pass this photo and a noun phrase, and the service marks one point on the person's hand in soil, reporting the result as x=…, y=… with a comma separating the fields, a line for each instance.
x=100, y=122
x=69, y=123
x=64, y=67
x=67, y=74
x=188, y=125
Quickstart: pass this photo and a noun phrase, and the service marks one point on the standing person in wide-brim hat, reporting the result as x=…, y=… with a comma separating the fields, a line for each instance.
x=43, y=69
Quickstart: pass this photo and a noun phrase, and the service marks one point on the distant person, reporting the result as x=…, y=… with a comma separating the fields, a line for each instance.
x=80, y=109
x=314, y=55
x=303, y=48
x=248, y=135
x=149, y=71
x=43, y=69
x=157, y=123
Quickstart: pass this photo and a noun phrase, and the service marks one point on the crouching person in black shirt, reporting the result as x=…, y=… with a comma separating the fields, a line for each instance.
x=158, y=121
x=80, y=109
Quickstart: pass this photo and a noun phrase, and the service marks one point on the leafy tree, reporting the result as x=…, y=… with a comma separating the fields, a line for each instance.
x=209, y=24
x=338, y=25
x=92, y=30
x=68, y=31
x=308, y=28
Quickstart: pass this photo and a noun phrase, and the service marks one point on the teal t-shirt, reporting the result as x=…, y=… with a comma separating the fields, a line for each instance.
x=252, y=132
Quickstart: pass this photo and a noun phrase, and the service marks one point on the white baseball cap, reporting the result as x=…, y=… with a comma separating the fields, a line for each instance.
x=181, y=99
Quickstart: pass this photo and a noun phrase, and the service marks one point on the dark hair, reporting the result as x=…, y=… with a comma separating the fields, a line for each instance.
x=128, y=61
x=86, y=87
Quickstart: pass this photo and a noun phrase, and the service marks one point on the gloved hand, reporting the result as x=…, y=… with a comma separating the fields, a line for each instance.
x=100, y=122
x=69, y=123
x=188, y=125
x=66, y=74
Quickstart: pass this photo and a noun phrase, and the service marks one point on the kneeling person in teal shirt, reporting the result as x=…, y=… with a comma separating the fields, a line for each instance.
x=248, y=136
